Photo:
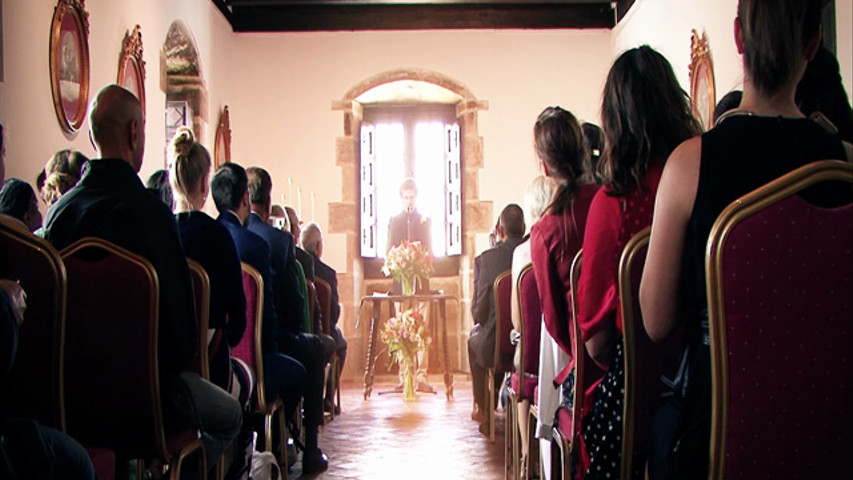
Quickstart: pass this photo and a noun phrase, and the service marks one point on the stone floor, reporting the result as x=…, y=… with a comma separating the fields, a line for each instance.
x=431, y=438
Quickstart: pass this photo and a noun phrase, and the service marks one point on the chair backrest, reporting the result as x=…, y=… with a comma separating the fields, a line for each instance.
x=530, y=313
x=504, y=349
x=778, y=281
x=644, y=360
x=112, y=388
x=250, y=347
x=36, y=382
x=324, y=299
x=201, y=292
x=578, y=347
x=312, y=304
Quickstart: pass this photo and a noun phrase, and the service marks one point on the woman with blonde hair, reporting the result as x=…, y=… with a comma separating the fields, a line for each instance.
x=62, y=172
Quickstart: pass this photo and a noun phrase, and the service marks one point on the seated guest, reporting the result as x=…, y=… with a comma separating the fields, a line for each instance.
x=554, y=241
x=158, y=184
x=18, y=200
x=285, y=374
x=208, y=242
x=312, y=350
x=481, y=343
x=62, y=172
x=767, y=139
x=536, y=199
x=303, y=257
x=110, y=202
x=28, y=449
x=645, y=116
x=312, y=241
x=593, y=137
x=820, y=95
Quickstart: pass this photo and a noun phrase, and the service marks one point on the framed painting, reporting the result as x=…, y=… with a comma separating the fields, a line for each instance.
x=69, y=63
x=131, y=67
x=703, y=97
x=222, y=148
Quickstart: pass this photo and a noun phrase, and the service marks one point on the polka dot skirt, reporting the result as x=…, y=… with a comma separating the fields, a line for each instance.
x=602, y=429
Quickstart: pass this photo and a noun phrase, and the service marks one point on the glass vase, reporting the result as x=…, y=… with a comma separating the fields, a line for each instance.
x=409, y=392
x=407, y=283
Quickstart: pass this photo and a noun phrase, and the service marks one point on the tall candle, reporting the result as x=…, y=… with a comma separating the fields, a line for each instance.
x=313, y=218
x=299, y=200
x=289, y=189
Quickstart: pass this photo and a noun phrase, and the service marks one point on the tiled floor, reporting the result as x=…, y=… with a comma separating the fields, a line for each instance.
x=431, y=438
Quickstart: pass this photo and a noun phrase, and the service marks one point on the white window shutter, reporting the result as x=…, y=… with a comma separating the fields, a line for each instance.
x=453, y=189
x=368, y=190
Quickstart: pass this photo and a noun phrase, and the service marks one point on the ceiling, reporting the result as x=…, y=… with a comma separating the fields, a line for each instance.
x=348, y=15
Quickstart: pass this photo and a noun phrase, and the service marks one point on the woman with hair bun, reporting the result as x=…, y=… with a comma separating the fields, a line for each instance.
x=62, y=172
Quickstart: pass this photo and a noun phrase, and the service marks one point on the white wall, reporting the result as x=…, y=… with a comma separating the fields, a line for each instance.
x=666, y=24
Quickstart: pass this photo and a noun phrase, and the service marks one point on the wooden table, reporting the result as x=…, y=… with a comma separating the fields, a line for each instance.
x=437, y=311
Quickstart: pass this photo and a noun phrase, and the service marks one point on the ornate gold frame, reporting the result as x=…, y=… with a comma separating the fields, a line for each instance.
x=703, y=95
x=222, y=145
x=737, y=211
x=131, y=57
x=76, y=10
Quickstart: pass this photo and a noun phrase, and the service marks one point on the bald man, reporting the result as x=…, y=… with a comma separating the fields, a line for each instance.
x=111, y=202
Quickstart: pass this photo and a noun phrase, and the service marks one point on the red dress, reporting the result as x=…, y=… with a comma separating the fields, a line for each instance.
x=554, y=241
x=612, y=222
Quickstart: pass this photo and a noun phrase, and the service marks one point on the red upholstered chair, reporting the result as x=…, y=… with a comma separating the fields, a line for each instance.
x=112, y=385
x=780, y=277
x=250, y=351
x=530, y=313
x=35, y=381
x=504, y=349
x=324, y=298
x=645, y=361
x=201, y=290
x=566, y=428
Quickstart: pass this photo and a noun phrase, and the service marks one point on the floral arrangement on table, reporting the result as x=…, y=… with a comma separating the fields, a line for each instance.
x=406, y=335
x=408, y=262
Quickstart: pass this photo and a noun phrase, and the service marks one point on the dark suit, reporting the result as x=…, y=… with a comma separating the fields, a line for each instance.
x=283, y=376
x=307, y=261
x=481, y=343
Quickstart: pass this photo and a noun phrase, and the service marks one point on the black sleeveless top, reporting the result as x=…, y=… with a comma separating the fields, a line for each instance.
x=740, y=154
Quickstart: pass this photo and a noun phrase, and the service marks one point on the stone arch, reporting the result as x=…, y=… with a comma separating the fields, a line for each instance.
x=344, y=215
x=181, y=77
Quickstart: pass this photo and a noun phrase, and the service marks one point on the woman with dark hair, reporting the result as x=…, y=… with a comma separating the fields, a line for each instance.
x=594, y=137
x=645, y=115
x=764, y=139
x=820, y=95
x=554, y=241
x=18, y=200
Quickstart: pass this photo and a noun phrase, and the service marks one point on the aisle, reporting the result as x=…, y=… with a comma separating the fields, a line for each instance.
x=384, y=438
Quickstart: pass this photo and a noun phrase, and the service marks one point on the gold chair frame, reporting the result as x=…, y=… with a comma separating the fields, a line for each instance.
x=490, y=373
x=729, y=218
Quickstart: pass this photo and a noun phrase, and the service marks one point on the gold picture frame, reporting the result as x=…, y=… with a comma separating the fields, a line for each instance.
x=69, y=63
x=222, y=145
x=703, y=95
x=131, y=66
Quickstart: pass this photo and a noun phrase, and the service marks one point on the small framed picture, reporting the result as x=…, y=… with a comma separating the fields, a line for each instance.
x=131, y=67
x=703, y=96
x=69, y=63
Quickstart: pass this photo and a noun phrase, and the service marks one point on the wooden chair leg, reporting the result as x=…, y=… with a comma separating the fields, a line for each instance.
x=196, y=449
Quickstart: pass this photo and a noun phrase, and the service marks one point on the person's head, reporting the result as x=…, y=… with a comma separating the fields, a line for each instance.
x=538, y=196
x=776, y=38
x=560, y=146
x=260, y=191
x=821, y=90
x=409, y=194
x=278, y=218
x=511, y=222
x=158, y=184
x=62, y=172
x=730, y=101
x=117, y=125
x=645, y=115
x=189, y=170
x=295, y=223
x=230, y=188
x=593, y=135
x=18, y=200
x=312, y=239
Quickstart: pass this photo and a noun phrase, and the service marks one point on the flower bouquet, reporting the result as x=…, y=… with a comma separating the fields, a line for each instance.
x=408, y=262
x=406, y=335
